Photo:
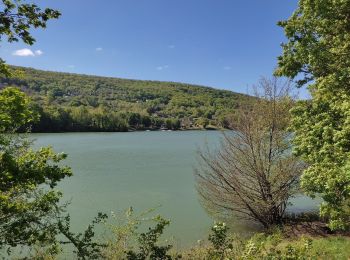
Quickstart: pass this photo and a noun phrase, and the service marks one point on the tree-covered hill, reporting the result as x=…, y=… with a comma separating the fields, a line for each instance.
x=74, y=102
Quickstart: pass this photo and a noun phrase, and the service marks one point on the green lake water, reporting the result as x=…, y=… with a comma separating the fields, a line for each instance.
x=113, y=171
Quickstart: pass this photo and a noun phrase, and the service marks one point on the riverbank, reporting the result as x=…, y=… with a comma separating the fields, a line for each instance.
x=209, y=128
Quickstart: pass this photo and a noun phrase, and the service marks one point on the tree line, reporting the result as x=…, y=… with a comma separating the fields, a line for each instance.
x=83, y=119
x=73, y=102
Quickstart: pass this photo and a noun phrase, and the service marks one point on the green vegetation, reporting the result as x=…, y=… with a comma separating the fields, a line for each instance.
x=126, y=240
x=28, y=200
x=254, y=162
x=72, y=102
x=272, y=246
x=14, y=110
x=317, y=52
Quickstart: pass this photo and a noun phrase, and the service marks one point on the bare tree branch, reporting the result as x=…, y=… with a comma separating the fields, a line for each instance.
x=253, y=173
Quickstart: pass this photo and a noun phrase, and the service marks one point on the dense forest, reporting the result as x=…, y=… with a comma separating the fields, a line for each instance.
x=74, y=102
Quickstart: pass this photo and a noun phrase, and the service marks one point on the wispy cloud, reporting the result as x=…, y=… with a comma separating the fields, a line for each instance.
x=162, y=67
x=227, y=68
x=99, y=49
x=71, y=66
x=38, y=52
x=171, y=46
x=27, y=53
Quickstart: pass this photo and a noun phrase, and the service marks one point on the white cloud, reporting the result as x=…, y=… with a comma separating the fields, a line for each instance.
x=99, y=49
x=227, y=68
x=27, y=52
x=38, y=52
x=171, y=46
x=162, y=67
x=23, y=52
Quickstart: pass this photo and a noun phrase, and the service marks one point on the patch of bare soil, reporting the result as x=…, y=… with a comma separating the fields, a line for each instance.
x=310, y=228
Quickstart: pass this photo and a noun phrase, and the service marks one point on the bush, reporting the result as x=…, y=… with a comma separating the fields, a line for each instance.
x=125, y=241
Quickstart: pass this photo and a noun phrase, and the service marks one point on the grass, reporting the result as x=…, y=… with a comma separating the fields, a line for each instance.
x=331, y=247
x=276, y=246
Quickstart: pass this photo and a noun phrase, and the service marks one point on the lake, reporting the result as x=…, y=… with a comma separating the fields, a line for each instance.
x=113, y=171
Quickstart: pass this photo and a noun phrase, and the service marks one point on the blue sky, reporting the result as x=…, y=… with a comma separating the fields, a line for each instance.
x=227, y=44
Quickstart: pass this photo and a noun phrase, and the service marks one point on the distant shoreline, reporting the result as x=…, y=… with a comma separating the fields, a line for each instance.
x=132, y=131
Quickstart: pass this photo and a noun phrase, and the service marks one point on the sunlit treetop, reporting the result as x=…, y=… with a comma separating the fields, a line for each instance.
x=318, y=44
x=14, y=109
x=318, y=50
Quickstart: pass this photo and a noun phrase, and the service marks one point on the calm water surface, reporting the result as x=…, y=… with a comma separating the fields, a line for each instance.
x=113, y=171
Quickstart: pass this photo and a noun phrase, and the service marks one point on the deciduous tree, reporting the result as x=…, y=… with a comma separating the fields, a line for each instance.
x=317, y=52
x=252, y=175
x=28, y=201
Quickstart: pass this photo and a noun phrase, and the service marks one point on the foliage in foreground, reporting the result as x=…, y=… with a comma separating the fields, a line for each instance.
x=31, y=213
x=28, y=201
x=317, y=52
x=127, y=237
x=264, y=246
x=126, y=241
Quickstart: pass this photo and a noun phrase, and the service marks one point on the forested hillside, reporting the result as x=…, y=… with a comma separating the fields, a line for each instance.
x=73, y=102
